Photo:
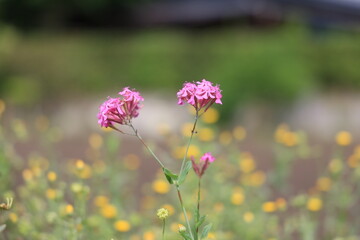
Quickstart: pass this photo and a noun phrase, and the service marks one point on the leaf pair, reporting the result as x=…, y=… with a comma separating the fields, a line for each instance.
x=177, y=179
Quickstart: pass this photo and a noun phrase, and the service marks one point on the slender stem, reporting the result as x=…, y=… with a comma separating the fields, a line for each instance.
x=198, y=204
x=184, y=212
x=188, y=145
x=147, y=147
x=163, y=230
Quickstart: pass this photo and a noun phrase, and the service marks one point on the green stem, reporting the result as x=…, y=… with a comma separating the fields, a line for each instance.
x=163, y=230
x=184, y=212
x=188, y=145
x=147, y=147
x=198, y=205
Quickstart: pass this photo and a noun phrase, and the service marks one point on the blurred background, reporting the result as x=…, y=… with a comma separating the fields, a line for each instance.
x=277, y=61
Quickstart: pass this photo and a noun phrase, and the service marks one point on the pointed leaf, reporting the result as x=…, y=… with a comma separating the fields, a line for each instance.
x=206, y=230
x=201, y=221
x=185, y=172
x=171, y=177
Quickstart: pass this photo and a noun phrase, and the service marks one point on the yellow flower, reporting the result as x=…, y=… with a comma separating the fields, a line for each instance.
x=162, y=213
x=149, y=236
x=210, y=116
x=343, y=138
x=51, y=176
x=101, y=201
x=13, y=217
x=280, y=132
x=161, y=186
x=239, y=133
x=269, y=207
x=108, y=211
x=323, y=184
x=225, y=138
x=211, y=235
x=131, y=162
x=281, y=203
x=248, y=217
x=82, y=170
x=257, y=178
x=353, y=161
x=122, y=226
x=314, y=204
x=170, y=208
x=69, y=209
x=179, y=152
x=27, y=175
x=95, y=141
x=247, y=163
x=237, y=198
x=51, y=193
x=206, y=134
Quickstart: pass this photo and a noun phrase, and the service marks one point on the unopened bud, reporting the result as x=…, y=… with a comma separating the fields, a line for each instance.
x=162, y=213
x=182, y=228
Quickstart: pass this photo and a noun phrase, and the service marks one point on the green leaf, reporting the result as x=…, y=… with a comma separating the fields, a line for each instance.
x=185, y=172
x=185, y=235
x=201, y=221
x=2, y=227
x=206, y=230
x=171, y=177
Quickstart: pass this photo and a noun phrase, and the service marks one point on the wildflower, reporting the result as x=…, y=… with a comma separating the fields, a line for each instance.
x=149, y=235
x=206, y=134
x=323, y=184
x=269, y=207
x=101, y=201
x=237, y=198
x=343, y=138
x=211, y=116
x=122, y=226
x=248, y=217
x=182, y=228
x=200, y=95
x=201, y=167
x=51, y=193
x=51, y=176
x=314, y=204
x=160, y=186
x=162, y=213
x=120, y=110
x=108, y=211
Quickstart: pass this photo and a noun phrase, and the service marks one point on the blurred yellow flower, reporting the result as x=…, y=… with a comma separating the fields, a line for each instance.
x=257, y=178
x=122, y=226
x=69, y=209
x=335, y=165
x=269, y=207
x=323, y=184
x=206, y=134
x=95, y=141
x=27, y=175
x=285, y=136
x=353, y=161
x=101, y=201
x=280, y=131
x=237, y=198
x=82, y=170
x=248, y=217
x=170, y=208
x=314, y=204
x=149, y=235
x=179, y=152
x=51, y=176
x=239, y=133
x=161, y=186
x=343, y=138
x=210, y=116
x=225, y=138
x=281, y=204
x=247, y=164
x=211, y=235
x=108, y=211
x=51, y=193
x=13, y=217
x=131, y=161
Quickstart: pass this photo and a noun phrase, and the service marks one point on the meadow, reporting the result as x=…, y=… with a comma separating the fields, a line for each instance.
x=113, y=189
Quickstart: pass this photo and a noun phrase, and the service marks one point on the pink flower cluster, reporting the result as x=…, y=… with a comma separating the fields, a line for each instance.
x=201, y=167
x=200, y=94
x=120, y=110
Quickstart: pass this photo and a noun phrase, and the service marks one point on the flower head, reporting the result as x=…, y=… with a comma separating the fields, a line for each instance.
x=200, y=94
x=120, y=110
x=201, y=167
x=162, y=213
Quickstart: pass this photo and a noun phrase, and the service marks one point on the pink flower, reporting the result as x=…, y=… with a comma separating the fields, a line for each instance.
x=201, y=167
x=200, y=95
x=120, y=110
